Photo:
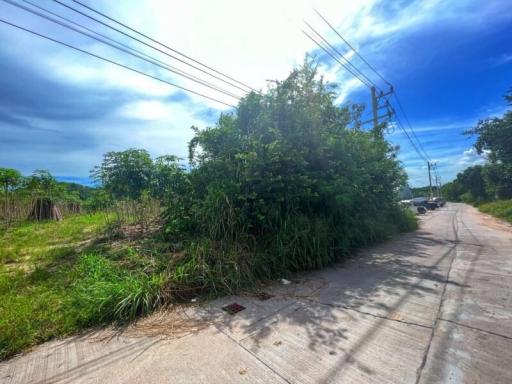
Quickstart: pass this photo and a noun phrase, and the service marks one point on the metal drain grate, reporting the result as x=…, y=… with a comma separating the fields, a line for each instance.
x=233, y=308
x=264, y=296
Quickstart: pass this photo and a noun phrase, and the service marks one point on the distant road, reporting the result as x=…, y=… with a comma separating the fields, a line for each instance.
x=433, y=306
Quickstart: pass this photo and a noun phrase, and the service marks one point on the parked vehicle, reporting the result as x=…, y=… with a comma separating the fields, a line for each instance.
x=417, y=209
x=424, y=202
x=439, y=201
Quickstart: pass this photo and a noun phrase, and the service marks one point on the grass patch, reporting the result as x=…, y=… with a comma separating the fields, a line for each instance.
x=501, y=209
x=30, y=243
x=54, y=281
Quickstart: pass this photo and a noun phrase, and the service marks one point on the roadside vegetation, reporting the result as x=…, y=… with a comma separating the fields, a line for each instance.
x=58, y=277
x=501, y=209
x=287, y=182
x=488, y=186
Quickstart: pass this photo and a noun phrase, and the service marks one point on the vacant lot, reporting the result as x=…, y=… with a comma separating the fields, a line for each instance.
x=432, y=306
x=58, y=277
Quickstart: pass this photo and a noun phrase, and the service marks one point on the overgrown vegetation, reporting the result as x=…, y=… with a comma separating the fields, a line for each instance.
x=492, y=181
x=501, y=209
x=283, y=185
x=287, y=182
x=59, y=277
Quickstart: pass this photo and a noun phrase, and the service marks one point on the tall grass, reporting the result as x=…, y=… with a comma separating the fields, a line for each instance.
x=501, y=209
x=224, y=266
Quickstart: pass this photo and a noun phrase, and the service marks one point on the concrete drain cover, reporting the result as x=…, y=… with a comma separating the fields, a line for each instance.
x=233, y=308
x=264, y=296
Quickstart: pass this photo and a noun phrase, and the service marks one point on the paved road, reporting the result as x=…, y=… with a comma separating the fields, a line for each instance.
x=434, y=306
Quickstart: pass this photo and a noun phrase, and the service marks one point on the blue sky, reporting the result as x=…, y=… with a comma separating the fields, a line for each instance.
x=450, y=62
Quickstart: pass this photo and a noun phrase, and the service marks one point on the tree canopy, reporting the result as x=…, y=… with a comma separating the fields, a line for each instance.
x=288, y=178
x=125, y=174
x=494, y=179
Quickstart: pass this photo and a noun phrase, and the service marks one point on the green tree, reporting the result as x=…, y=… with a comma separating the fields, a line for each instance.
x=494, y=139
x=285, y=179
x=452, y=191
x=498, y=180
x=42, y=184
x=494, y=136
x=10, y=179
x=98, y=200
x=471, y=181
x=125, y=174
x=169, y=178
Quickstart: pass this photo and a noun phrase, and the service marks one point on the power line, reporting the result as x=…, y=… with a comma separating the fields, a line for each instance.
x=365, y=80
x=400, y=125
x=148, y=45
x=112, y=61
x=122, y=44
x=421, y=149
x=402, y=109
x=399, y=122
x=319, y=44
x=162, y=44
x=139, y=54
x=351, y=47
x=340, y=55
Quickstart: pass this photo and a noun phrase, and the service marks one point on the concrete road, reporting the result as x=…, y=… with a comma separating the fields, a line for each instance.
x=433, y=306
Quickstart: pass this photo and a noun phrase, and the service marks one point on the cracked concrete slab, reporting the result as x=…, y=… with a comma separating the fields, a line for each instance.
x=392, y=280
x=256, y=314
x=404, y=298
x=206, y=357
x=463, y=355
x=482, y=301
x=317, y=343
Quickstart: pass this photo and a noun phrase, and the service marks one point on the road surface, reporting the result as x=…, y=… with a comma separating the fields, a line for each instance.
x=433, y=306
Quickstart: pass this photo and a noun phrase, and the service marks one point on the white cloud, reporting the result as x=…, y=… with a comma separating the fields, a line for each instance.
x=471, y=157
x=146, y=110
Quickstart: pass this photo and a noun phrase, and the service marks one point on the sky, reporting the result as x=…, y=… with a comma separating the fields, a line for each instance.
x=450, y=63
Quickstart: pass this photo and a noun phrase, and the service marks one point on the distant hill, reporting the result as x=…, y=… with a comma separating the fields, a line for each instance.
x=423, y=191
x=76, y=180
x=83, y=191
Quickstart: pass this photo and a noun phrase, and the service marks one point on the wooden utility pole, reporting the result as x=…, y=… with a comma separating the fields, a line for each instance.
x=375, y=109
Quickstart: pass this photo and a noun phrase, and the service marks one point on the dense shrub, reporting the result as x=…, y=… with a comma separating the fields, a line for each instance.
x=284, y=184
